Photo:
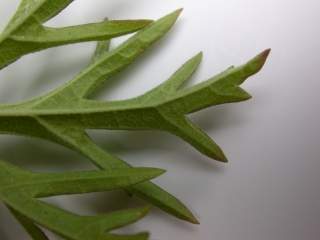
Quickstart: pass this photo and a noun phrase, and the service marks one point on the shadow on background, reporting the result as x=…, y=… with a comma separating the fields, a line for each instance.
x=40, y=155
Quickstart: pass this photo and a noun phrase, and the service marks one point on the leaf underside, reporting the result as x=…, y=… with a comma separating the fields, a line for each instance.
x=63, y=115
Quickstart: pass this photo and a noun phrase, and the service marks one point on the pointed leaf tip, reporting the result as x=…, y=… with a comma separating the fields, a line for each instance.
x=145, y=210
x=264, y=55
x=154, y=172
x=177, y=13
x=266, y=52
x=224, y=159
x=259, y=61
x=216, y=154
x=199, y=56
x=194, y=220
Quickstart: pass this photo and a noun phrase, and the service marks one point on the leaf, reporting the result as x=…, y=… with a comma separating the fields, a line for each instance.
x=34, y=231
x=20, y=188
x=75, y=137
x=64, y=114
x=26, y=33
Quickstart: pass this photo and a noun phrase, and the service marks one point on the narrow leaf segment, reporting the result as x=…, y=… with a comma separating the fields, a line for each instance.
x=26, y=33
x=64, y=114
x=20, y=188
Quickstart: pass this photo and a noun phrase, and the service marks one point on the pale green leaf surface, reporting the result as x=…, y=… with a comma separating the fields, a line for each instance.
x=73, y=136
x=20, y=188
x=26, y=33
x=63, y=115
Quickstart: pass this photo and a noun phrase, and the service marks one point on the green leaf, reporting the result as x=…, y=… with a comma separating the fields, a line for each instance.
x=26, y=33
x=63, y=115
x=172, y=85
x=74, y=136
x=34, y=231
x=116, y=60
x=20, y=188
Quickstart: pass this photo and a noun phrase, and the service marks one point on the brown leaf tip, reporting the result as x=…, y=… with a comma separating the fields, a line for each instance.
x=256, y=64
x=179, y=11
x=262, y=58
x=264, y=55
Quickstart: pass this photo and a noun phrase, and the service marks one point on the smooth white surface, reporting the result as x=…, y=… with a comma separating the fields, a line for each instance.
x=270, y=188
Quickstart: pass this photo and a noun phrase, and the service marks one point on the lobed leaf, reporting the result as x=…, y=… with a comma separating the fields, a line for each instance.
x=26, y=33
x=19, y=188
x=116, y=60
x=64, y=114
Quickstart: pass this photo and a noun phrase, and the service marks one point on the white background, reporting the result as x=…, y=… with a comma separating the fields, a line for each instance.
x=270, y=188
